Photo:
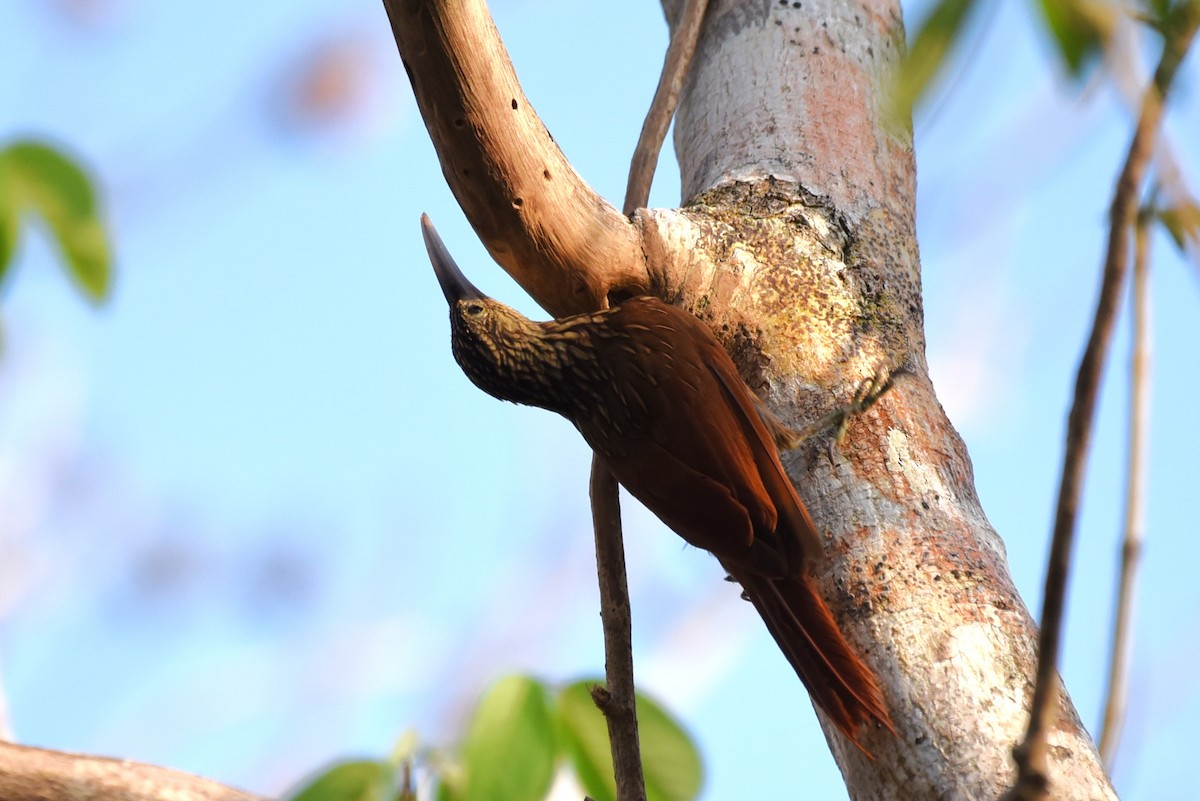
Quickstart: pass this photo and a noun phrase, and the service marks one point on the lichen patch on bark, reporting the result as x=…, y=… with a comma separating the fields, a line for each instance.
x=773, y=275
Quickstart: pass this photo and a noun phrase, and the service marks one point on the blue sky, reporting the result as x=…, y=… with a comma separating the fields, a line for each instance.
x=256, y=519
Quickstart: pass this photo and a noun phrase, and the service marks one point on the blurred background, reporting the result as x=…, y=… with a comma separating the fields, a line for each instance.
x=253, y=518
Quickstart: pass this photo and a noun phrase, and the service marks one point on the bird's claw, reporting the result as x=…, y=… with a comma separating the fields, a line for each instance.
x=866, y=394
x=868, y=391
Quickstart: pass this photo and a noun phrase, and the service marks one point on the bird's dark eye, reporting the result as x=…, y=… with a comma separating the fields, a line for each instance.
x=473, y=309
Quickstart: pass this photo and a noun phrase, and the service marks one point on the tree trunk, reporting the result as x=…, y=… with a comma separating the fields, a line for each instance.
x=785, y=152
x=797, y=243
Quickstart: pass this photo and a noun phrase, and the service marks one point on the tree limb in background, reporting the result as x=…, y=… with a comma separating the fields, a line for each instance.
x=562, y=242
x=1031, y=754
x=1135, y=495
x=35, y=774
x=662, y=107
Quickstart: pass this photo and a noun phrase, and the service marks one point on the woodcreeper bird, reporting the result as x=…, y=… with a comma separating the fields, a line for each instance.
x=661, y=402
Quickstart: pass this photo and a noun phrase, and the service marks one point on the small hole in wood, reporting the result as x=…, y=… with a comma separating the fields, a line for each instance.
x=518, y=202
x=460, y=122
x=546, y=174
x=514, y=104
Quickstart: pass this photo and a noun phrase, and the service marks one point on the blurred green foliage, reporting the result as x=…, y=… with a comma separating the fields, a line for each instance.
x=670, y=761
x=520, y=735
x=1181, y=221
x=1077, y=29
x=511, y=747
x=40, y=180
x=353, y=780
x=927, y=53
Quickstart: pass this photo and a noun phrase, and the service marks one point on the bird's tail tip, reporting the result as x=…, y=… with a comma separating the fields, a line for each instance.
x=840, y=683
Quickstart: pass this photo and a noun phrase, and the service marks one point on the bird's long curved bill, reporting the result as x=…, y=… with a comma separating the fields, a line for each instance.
x=455, y=285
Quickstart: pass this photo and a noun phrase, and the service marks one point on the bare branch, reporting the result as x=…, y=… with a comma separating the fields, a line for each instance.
x=662, y=107
x=1135, y=497
x=618, y=701
x=566, y=245
x=35, y=774
x=1031, y=755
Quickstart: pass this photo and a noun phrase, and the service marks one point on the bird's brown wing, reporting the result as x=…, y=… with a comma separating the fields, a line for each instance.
x=690, y=444
x=692, y=447
x=795, y=530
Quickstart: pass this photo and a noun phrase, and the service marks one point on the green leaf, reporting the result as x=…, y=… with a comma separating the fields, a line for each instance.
x=1079, y=29
x=9, y=231
x=935, y=38
x=669, y=757
x=586, y=733
x=674, y=771
x=448, y=791
x=1182, y=223
x=1157, y=10
x=359, y=780
x=1170, y=17
x=39, y=178
x=511, y=746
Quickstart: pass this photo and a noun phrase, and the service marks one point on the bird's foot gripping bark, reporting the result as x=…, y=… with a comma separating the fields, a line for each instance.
x=868, y=391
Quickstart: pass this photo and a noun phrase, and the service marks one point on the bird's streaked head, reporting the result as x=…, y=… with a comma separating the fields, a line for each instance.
x=491, y=341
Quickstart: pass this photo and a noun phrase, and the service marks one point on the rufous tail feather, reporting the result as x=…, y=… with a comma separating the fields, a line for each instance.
x=839, y=682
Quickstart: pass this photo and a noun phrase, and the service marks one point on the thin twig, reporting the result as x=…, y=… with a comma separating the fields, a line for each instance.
x=662, y=107
x=617, y=701
x=1135, y=497
x=1031, y=754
